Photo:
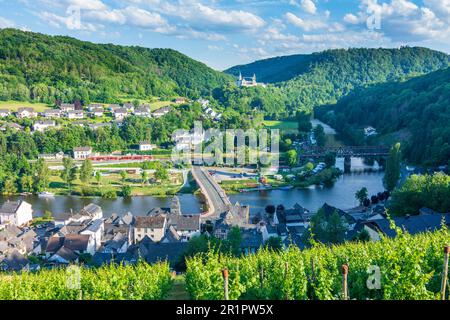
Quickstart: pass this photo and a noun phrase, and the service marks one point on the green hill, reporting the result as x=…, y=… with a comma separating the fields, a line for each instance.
x=415, y=112
x=320, y=78
x=41, y=68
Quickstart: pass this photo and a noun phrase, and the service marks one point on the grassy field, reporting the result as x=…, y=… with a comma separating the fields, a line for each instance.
x=282, y=125
x=14, y=105
x=112, y=182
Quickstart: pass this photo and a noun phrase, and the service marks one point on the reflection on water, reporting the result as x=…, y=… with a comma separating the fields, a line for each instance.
x=341, y=194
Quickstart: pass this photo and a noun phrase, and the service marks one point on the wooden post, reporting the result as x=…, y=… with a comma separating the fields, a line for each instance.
x=444, y=272
x=80, y=294
x=286, y=271
x=344, y=282
x=225, y=283
x=261, y=278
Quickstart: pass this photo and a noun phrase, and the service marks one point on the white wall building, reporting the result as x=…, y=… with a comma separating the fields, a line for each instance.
x=16, y=212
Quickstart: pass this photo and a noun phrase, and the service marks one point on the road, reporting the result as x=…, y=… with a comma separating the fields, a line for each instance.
x=218, y=201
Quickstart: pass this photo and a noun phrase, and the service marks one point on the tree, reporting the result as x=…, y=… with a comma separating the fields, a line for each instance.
x=292, y=157
x=361, y=195
x=304, y=121
x=274, y=244
x=47, y=215
x=69, y=172
x=234, y=240
x=330, y=159
x=86, y=171
x=98, y=177
x=392, y=173
x=41, y=176
x=10, y=186
x=144, y=177
x=123, y=176
x=126, y=191
x=319, y=134
x=161, y=173
x=26, y=183
x=326, y=229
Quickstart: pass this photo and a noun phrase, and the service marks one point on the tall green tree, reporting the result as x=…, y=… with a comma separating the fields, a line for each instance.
x=69, y=172
x=361, y=195
x=392, y=173
x=86, y=171
x=292, y=157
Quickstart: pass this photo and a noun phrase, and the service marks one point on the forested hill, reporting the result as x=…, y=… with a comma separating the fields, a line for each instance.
x=38, y=67
x=363, y=65
x=307, y=81
x=416, y=112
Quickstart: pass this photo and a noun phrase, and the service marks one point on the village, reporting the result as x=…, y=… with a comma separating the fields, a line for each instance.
x=89, y=237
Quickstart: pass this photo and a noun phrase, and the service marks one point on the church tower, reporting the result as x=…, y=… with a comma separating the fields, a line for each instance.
x=254, y=80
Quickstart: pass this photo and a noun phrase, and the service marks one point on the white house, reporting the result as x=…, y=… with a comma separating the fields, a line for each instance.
x=370, y=131
x=52, y=113
x=97, y=112
x=4, y=113
x=154, y=227
x=161, y=112
x=75, y=114
x=142, y=112
x=186, y=226
x=43, y=125
x=95, y=229
x=65, y=107
x=120, y=113
x=16, y=212
x=81, y=153
x=146, y=146
x=26, y=113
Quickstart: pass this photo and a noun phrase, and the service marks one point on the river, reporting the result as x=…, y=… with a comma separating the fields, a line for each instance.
x=341, y=194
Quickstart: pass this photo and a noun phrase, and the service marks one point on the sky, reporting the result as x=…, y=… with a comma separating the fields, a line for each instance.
x=226, y=33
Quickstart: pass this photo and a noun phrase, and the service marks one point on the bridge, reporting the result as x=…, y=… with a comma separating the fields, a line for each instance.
x=217, y=201
x=344, y=151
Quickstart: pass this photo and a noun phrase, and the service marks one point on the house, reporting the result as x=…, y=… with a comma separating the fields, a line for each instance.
x=66, y=107
x=411, y=224
x=97, y=112
x=128, y=106
x=142, y=112
x=52, y=156
x=64, y=256
x=161, y=112
x=96, y=126
x=251, y=241
x=120, y=113
x=81, y=153
x=155, y=252
x=26, y=113
x=52, y=113
x=72, y=245
x=15, y=261
x=113, y=107
x=153, y=227
x=179, y=100
x=43, y=125
x=93, y=211
x=186, y=226
x=370, y=131
x=75, y=114
x=94, y=106
x=12, y=126
x=95, y=229
x=17, y=213
x=4, y=113
x=146, y=146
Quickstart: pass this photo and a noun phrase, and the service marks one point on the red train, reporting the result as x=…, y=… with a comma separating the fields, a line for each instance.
x=121, y=158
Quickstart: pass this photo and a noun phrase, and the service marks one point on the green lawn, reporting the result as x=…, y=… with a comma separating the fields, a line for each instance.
x=282, y=125
x=14, y=105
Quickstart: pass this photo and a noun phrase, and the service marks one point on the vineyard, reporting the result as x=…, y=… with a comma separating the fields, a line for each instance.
x=410, y=268
x=139, y=282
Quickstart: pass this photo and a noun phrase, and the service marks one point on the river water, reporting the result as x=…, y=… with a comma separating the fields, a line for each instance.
x=341, y=194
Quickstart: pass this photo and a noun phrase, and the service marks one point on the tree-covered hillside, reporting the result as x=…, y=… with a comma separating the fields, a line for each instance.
x=415, y=112
x=38, y=67
x=307, y=81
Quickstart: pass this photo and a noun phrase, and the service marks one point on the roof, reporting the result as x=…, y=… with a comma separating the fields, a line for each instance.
x=76, y=242
x=184, y=222
x=154, y=252
x=91, y=209
x=66, y=253
x=158, y=211
x=54, y=243
x=330, y=210
x=412, y=224
x=82, y=149
x=145, y=143
x=15, y=261
x=10, y=207
x=94, y=226
x=154, y=222
x=251, y=239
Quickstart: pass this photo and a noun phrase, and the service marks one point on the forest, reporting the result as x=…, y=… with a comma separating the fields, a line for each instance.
x=41, y=68
x=415, y=112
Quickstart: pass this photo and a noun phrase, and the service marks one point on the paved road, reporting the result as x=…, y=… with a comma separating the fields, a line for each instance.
x=218, y=201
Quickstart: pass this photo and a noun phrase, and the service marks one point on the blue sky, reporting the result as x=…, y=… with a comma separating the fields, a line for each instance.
x=225, y=33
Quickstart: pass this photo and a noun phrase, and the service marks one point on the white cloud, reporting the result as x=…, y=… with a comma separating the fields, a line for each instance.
x=5, y=23
x=87, y=4
x=70, y=22
x=308, y=6
x=304, y=24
